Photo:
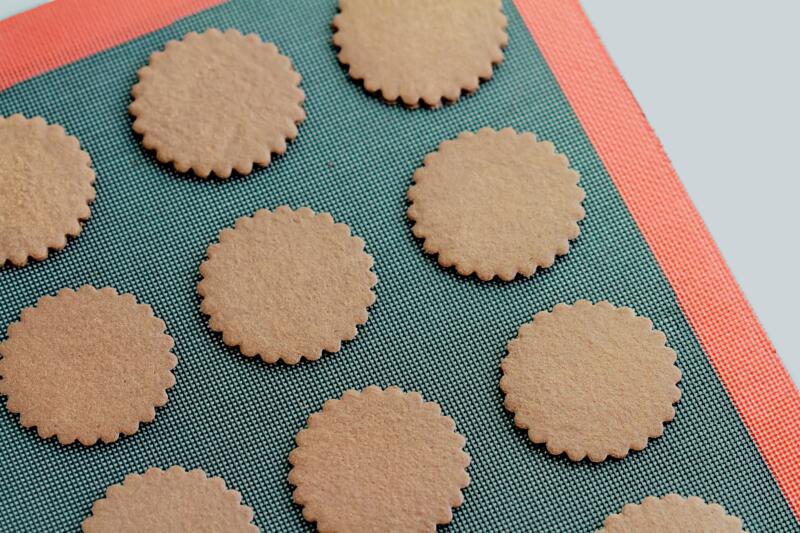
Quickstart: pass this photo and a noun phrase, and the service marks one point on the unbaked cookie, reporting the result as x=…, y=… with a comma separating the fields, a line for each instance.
x=46, y=186
x=216, y=102
x=86, y=365
x=173, y=500
x=590, y=380
x=496, y=203
x=287, y=284
x=672, y=514
x=420, y=50
x=379, y=460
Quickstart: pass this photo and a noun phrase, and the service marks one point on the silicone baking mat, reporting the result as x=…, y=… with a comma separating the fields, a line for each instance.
x=734, y=439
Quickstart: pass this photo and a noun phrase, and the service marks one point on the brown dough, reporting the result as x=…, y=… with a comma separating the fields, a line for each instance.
x=379, y=460
x=86, y=365
x=672, y=514
x=217, y=101
x=173, y=500
x=418, y=49
x=590, y=380
x=496, y=204
x=46, y=185
x=287, y=285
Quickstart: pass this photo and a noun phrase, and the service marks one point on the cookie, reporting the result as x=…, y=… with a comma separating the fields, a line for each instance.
x=287, y=285
x=86, y=365
x=172, y=500
x=46, y=186
x=217, y=102
x=420, y=50
x=672, y=514
x=590, y=380
x=379, y=460
x=496, y=203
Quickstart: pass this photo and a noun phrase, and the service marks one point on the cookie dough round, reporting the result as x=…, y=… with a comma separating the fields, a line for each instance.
x=287, y=285
x=496, y=203
x=379, y=460
x=420, y=50
x=86, y=365
x=171, y=500
x=216, y=102
x=590, y=380
x=46, y=186
x=672, y=514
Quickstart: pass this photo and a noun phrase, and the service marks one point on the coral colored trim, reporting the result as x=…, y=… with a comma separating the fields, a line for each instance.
x=64, y=31
x=719, y=314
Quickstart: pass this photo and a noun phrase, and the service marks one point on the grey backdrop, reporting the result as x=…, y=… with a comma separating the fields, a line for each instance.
x=720, y=83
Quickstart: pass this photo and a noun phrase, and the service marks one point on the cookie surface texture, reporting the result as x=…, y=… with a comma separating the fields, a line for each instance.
x=379, y=460
x=170, y=500
x=496, y=203
x=217, y=102
x=590, y=380
x=86, y=365
x=419, y=50
x=46, y=186
x=287, y=285
x=672, y=514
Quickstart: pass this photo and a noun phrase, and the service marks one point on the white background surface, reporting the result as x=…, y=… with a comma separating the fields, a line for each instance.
x=720, y=83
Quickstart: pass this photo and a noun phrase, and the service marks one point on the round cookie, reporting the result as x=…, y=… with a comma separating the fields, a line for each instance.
x=379, y=460
x=46, y=186
x=216, y=102
x=287, y=285
x=420, y=50
x=171, y=500
x=496, y=203
x=86, y=365
x=590, y=380
x=672, y=514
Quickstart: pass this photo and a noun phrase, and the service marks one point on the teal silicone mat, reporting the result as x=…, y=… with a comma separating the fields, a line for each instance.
x=430, y=329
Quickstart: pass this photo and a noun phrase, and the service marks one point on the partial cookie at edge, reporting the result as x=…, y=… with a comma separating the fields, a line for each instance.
x=379, y=460
x=46, y=186
x=171, y=499
x=420, y=51
x=672, y=514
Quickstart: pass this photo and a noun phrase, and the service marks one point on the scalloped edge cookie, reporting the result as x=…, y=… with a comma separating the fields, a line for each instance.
x=487, y=29
x=406, y=470
x=483, y=228
x=555, y=335
x=40, y=234
x=269, y=330
x=207, y=504
x=248, y=135
x=24, y=368
x=668, y=514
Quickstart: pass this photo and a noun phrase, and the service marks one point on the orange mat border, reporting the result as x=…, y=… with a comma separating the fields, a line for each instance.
x=742, y=355
x=62, y=32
